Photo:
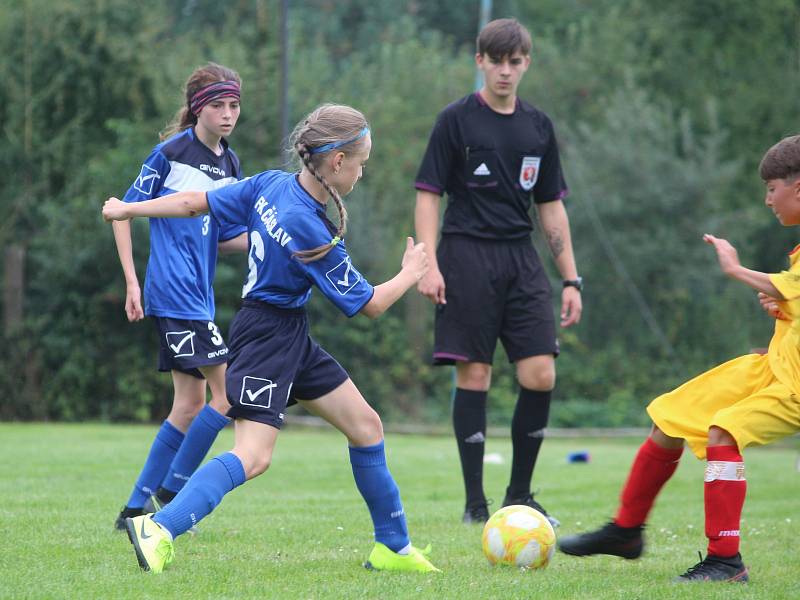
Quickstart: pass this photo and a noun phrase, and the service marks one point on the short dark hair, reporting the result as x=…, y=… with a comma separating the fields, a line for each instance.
x=782, y=161
x=503, y=37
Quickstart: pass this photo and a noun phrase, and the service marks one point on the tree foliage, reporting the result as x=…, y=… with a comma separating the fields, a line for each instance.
x=662, y=110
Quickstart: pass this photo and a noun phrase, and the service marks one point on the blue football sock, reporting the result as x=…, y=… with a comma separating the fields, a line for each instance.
x=168, y=440
x=381, y=494
x=201, y=435
x=201, y=494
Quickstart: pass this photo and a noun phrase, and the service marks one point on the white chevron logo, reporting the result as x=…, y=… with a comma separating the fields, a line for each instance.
x=482, y=170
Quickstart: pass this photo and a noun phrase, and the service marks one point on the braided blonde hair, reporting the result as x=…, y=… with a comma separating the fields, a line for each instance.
x=327, y=124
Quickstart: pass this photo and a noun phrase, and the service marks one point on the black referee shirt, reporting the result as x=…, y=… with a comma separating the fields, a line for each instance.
x=491, y=165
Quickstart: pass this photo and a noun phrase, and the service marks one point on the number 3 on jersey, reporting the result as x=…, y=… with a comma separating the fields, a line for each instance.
x=256, y=253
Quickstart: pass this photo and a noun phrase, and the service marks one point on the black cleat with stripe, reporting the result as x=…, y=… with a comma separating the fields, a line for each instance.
x=716, y=568
x=627, y=542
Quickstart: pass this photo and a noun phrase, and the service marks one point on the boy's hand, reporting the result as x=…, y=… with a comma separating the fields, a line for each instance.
x=115, y=210
x=726, y=253
x=772, y=306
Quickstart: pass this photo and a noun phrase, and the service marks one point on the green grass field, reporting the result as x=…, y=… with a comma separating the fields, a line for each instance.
x=302, y=531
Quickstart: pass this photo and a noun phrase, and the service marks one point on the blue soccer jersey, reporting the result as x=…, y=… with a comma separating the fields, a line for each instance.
x=282, y=218
x=183, y=252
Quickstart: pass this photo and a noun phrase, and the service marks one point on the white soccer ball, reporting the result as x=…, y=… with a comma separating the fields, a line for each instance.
x=519, y=536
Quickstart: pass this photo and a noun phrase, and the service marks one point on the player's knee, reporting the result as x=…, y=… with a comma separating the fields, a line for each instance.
x=254, y=465
x=368, y=430
x=537, y=373
x=717, y=436
x=220, y=404
x=259, y=466
x=184, y=410
x=474, y=376
x=664, y=440
x=541, y=380
x=188, y=403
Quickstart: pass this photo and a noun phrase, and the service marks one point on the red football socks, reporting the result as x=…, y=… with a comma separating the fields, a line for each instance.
x=651, y=469
x=725, y=489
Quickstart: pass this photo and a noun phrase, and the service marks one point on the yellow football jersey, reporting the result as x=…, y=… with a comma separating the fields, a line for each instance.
x=784, y=348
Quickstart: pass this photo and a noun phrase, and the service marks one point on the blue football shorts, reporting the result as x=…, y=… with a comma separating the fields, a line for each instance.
x=185, y=345
x=273, y=362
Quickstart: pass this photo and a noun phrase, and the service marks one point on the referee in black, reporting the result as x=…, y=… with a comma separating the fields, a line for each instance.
x=493, y=153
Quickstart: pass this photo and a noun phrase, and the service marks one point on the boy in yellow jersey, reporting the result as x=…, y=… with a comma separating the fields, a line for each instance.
x=751, y=400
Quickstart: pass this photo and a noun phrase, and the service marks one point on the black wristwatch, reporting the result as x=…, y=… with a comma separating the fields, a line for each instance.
x=576, y=283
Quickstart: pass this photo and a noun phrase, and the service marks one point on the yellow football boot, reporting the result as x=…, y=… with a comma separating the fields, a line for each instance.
x=383, y=559
x=154, y=549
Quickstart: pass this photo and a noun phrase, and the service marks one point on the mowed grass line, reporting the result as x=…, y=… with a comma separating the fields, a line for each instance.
x=302, y=531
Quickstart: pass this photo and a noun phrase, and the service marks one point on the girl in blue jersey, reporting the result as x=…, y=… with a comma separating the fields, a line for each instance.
x=273, y=360
x=178, y=293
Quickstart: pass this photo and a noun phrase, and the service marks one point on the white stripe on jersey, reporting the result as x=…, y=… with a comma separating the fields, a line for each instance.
x=724, y=471
x=185, y=178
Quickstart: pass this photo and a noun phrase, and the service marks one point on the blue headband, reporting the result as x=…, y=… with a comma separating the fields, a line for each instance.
x=333, y=145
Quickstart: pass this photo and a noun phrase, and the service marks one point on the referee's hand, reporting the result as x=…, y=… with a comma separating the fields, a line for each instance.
x=571, y=306
x=432, y=286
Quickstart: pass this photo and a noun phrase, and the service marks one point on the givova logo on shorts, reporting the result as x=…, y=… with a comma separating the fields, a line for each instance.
x=257, y=391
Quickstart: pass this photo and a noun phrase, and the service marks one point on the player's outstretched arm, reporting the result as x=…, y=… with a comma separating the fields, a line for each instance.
x=729, y=263
x=414, y=266
x=181, y=204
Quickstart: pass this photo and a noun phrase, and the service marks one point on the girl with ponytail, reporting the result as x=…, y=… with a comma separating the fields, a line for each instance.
x=273, y=360
x=178, y=294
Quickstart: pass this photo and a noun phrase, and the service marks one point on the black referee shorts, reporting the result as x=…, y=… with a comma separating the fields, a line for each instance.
x=494, y=289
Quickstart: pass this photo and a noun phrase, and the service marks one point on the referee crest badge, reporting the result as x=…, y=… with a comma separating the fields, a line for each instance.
x=529, y=172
